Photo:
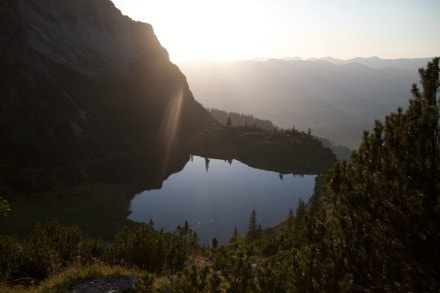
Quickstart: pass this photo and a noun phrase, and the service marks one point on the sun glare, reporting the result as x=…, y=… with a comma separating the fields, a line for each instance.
x=245, y=29
x=218, y=30
x=170, y=126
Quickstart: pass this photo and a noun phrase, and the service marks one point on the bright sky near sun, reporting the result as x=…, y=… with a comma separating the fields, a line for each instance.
x=247, y=29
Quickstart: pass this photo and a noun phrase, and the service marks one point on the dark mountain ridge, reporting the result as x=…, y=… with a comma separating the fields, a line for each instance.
x=375, y=62
x=80, y=82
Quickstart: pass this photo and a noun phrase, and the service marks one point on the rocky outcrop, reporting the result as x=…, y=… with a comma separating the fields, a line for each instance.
x=81, y=83
x=104, y=285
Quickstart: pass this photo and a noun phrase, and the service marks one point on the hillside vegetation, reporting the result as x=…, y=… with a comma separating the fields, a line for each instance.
x=237, y=119
x=286, y=151
x=249, y=121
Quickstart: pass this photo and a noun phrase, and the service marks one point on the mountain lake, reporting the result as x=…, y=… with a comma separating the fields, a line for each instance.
x=216, y=196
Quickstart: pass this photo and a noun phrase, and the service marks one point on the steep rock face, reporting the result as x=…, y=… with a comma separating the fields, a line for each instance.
x=80, y=82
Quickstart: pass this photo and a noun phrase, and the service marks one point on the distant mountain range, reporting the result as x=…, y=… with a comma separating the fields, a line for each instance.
x=378, y=63
x=336, y=99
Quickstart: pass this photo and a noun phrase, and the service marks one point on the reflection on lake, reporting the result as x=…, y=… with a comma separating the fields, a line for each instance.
x=215, y=196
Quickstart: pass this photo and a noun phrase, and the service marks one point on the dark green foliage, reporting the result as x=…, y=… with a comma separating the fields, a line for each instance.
x=240, y=119
x=283, y=152
x=52, y=247
x=234, y=236
x=301, y=211
x=214, y=244
x=12, y=258
x=46, y=250
x=4, y=207
x=274, y=277
x=154, y=251
x=199, y=279
x=187, y=234
x=215, y=282
x=145, y=283
x=252, y=232
x=386, y=202
x=192, y=279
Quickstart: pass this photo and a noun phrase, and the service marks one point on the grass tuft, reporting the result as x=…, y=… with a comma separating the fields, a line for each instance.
x=63, y=281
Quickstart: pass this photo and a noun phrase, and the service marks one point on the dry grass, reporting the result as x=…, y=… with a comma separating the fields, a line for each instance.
x=63, y=281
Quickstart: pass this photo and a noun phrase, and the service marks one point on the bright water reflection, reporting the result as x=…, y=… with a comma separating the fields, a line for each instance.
x=216, y=200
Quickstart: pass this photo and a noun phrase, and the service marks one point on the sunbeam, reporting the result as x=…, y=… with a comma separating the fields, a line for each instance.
x=170, y=128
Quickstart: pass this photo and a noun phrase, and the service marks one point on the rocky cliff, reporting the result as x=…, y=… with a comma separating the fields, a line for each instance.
x=80, y=84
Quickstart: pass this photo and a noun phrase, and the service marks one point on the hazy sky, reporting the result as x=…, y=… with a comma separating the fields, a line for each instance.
x=245, y=29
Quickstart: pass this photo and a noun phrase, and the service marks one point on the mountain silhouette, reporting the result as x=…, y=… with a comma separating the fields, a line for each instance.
x=80, y=85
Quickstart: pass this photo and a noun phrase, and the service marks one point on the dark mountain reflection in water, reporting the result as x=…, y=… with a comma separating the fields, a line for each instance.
x=215, y=196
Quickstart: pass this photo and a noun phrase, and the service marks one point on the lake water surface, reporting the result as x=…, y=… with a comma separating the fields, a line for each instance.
x=215, y=196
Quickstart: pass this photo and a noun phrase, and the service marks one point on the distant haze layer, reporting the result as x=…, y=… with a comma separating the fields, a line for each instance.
x=233, y=30
x=336, y=99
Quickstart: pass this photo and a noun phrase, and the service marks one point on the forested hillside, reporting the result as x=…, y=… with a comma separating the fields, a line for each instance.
x=285, y=151
x=236, y=119
x=249, y=121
